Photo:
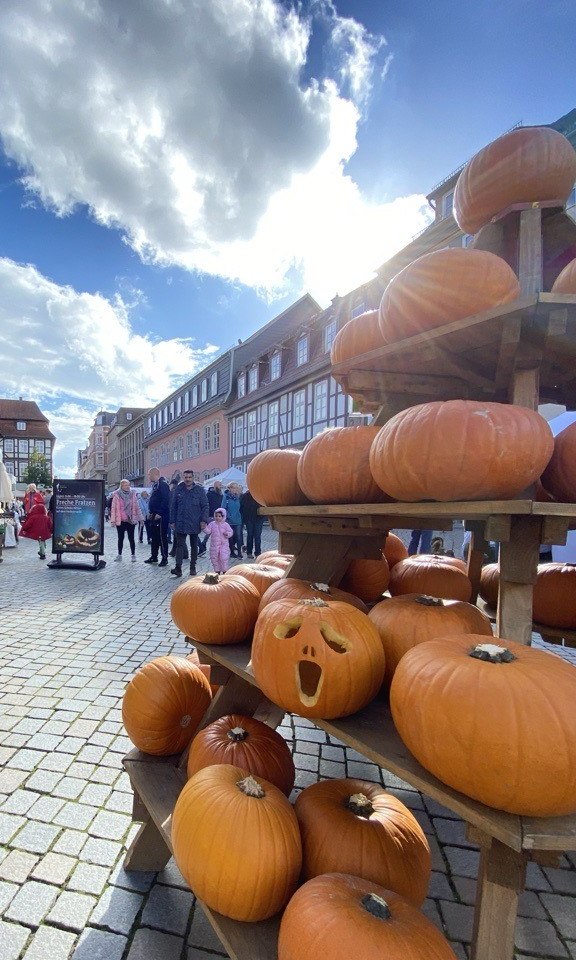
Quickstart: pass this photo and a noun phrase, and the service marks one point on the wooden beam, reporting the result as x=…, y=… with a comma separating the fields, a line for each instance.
x=501, y=879
x=530, y=251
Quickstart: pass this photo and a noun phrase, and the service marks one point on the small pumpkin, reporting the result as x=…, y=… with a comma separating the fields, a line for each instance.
x=272, y=478
x=565, y=282
x=272, y=555
x=404, y=621
x=367, y=579
x=513, y=710
x=435, y=576
x=490, y=583
x=247, y=743
x=442, y=287
x=559, y=477
x=395, y=550
x=334, y=467
x=524, y=166
x=338, y=916
x=360, y=335
x=501, y=449
x=215, y=609
x=236, y=842
x=289, y=588
x=163, y=704
x=554, y=595
x=378, y=838
x=281, y=561
x=261, y=575
x=317, y=659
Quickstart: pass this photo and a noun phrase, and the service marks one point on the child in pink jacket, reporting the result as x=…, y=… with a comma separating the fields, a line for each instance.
x=219, y=532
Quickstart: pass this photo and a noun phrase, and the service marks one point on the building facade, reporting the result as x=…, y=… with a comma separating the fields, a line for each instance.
x=23, y=429
x=131, y=451
x=123, y=418
x=95, y=460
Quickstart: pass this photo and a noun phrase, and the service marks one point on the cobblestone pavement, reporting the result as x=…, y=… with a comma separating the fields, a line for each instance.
x=69, y=641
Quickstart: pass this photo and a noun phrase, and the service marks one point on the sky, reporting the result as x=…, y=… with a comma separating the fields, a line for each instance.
x=175, y=173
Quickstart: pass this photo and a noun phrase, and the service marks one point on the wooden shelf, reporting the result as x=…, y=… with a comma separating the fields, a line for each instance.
x=453, y=510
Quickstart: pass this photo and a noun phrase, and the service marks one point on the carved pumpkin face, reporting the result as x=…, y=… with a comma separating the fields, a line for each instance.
x=317, y=659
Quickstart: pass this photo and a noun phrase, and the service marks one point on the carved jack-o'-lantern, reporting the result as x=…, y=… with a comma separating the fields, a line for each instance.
x=317, y=659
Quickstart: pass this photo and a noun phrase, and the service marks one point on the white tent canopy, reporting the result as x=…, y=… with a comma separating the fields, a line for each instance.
x=231, y=475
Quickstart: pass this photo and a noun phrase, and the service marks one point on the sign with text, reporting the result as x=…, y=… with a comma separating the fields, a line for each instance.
x=78, y=516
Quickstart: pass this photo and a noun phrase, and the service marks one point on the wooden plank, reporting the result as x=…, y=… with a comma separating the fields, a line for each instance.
x=524, y=389
x=530, y=251
x=443, y=388
x=549, y=833
x=319, y=558
x=478, y=547
x=461, y=509
x=518, y=569
x=336, y=526
x=158, y=786
x=246, y=941
x=148, y=851
x=501, y=878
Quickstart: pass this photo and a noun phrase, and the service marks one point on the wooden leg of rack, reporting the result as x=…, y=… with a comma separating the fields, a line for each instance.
x=518, y=568
x=148, y=850
x=501, y=879
x=476, y=555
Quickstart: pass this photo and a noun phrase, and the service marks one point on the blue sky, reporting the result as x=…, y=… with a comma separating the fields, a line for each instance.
x=174, y=175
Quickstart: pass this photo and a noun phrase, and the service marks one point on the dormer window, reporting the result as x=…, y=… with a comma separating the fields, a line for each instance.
x=241, y=384
x=252, y=379
x=275, y=366
x=20, y=425
x=204, y=390
x=447, y=203
x=302, y=351
x=358, y=309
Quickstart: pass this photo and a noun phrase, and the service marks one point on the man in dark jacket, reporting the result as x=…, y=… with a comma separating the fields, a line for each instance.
x=253, y=523
x=215, y=494
x=188, y=516
x=159, y=513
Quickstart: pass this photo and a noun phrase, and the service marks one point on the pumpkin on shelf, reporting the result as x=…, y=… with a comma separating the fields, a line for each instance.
x=269, y=555
x=490, y=583
x=492, y=720
x=236, y=842
x=215, y=609
x=247, y=743
x=554, y=595
x=442, y=287
x=524, y=166
x=565, y=282
x=334, y=467
x=502, y=449
x=367, y=579
x=559, y=477
x=163, y=704
x=360, y=335
x=338, y=916
x=432, y=575
x=271, y=478
x=395, y=550
x=404, y=621
x=378, y=838
x=317, y=659
x=281, y=561
x=261, y=575
x=289, y=588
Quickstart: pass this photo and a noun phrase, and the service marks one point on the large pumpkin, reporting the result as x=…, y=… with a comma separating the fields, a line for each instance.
x=378, y=838
x=289, y=588
x=273, y=555
x=367, y=579
x=261, y=575
x=435, y=576
x=490, y=583
x=272, y=480
x=559, y=477
x=338, y=917
x=460, y=450
x=405, y=621
x=444, y=286
x=247, y=743
x=317, y=659
x=334, y=467
x=164, y=703
x=236, y=842
x=215, y=609
x=565, y=282
x=360, y=335
x=554, y=595
x=523, y=166
x=395, y=550
x=495, y=720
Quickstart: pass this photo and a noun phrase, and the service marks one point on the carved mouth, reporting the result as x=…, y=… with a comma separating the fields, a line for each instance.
x=309, y=681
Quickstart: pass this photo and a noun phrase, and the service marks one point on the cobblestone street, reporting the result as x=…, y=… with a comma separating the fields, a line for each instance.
x=69, y=642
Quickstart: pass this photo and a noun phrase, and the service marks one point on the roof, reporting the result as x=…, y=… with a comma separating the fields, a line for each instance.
x=285, y=324
x=20, y=410
x=15, y=411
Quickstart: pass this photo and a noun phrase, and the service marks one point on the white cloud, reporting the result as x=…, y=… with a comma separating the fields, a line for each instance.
x=191, y=128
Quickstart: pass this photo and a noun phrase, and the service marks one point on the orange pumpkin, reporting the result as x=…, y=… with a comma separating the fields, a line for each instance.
x=360, y=335
x=280, y=561
x=394, y=550
x=436, y=576
x=272, y=555
x=289, y=588
x=338, y=916
x=215, y=609
x=407, y=620
x=261, y=575
x=163, y=704
x=247, y=743
x=367, y=579
x=554, y=595
x=271, y=478
x=559, y=477
x=236, y=842
x=444, y=286
x=493, y=720
x=565, y=282
x=205, y=668
x=334, y=467
x=523, y=166
x=378, y=838
x=317, y=659
x=502, y=449
x=490, y=583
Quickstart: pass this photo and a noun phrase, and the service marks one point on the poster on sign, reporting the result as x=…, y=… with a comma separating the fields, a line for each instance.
x=78, y=517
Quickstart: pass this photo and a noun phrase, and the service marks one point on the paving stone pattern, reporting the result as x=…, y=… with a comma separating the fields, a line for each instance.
x=69, y=642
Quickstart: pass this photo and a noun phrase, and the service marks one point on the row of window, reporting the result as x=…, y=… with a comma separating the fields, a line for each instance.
x=199, y=393
x=248, y=380
x=27, y=446
x=319, y=412
x=192, y=445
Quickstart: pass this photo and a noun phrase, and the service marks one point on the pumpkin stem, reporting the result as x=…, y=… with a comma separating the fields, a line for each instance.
x=315, y=602
x=251, y=788
x=211, y=578
x=359, y=804
x=376, y=906
x=427, y=601
x=492, y=653
x=321, y=587
x=237, y=734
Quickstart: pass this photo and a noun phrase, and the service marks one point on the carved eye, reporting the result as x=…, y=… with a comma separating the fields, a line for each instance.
x=287, y=630
x=336, y=642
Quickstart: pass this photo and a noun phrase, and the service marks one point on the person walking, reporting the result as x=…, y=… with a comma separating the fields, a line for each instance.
x=124, y=515
x=219, y=533
x=172, y=539
x=231, y=504
x=37, y=525
x=143, y=499
x=188, y=516
x=29, y=497
x=420, y=542
x=253, y=522
x=159, y=517
x=215, y=494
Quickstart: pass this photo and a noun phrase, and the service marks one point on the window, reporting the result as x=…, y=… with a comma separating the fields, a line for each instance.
x=195, y=395
x=174, y=452
x=149, y=424
x=164, y=416
x=180, y=448
x=204, y=390
x=275, y=366
x=214, y=384
x=22, y=447
x=273, y=418
x=321, y=400
x=239, y=430
x=302, y=351
x=178, y=406
x=252, y=378
x=241, y=384
x=100, y=458
x=9, y=446
x=171, y=411
x=20, y=425
x=447, y=203
x=186, y=401
x=329, y=335
x=207, y=437
x=189, y=450
x=252, y=426
x=196, y=443
x=358, y=308
x=299, y=410
x=39, y=446
x=216, y=435
x=128, y=416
